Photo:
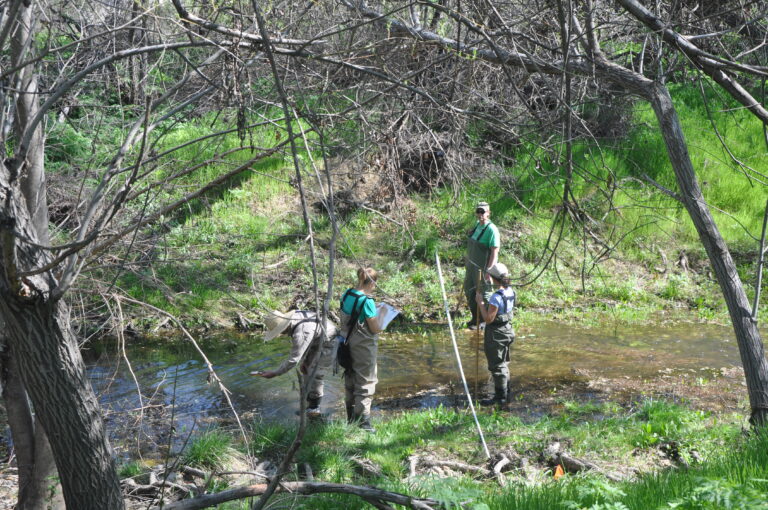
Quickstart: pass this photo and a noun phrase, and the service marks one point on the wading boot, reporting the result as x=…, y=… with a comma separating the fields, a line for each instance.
x=313, y=408
x=498, y=400
x=365, y=424
x=350, y=414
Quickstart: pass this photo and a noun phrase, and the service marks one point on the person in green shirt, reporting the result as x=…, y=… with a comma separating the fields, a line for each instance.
x=483, y=244
x=360, y=327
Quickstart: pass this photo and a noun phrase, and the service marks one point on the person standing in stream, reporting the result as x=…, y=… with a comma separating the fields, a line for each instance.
x=483, y=244
x=499, y=333
x=360, y=327
x=309, y=339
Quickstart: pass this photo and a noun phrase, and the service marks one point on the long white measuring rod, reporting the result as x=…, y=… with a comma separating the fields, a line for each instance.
x=458, y=357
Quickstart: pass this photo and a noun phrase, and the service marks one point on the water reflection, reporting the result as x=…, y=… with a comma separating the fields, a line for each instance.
x=174, y=380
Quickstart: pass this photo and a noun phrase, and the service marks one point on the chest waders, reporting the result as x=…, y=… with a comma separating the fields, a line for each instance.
x=360, y=378
x=318, y=352
x=477, y=258
x=498, y=339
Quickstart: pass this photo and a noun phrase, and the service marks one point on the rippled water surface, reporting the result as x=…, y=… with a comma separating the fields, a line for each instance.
x=173, y=377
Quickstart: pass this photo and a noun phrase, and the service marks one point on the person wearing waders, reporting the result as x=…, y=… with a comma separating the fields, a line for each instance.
x=482, y=252
x=306, y=339
x=499, y=334
x=360, y=328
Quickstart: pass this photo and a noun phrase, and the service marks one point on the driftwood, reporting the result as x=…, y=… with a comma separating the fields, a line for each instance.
x=555, y=455
x=159, y=484
x=133, y=488
x=367, y=466
x=369, y=494
x=189, y=470
x=495, y=470
x=415, y=461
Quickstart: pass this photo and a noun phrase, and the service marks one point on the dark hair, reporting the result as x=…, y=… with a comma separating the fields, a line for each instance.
x=366, y=275
x=504, y=280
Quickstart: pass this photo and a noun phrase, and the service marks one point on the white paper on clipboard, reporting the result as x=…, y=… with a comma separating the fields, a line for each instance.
x=385, y=314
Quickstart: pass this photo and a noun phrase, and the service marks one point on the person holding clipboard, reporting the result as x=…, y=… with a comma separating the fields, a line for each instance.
x=360, y=328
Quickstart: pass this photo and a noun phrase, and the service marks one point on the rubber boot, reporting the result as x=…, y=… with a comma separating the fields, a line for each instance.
x=364, y=422
x=350, y=414
x=313, y=407
x=499, y=399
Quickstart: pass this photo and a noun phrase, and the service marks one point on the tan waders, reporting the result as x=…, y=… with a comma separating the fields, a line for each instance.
x=360, y=381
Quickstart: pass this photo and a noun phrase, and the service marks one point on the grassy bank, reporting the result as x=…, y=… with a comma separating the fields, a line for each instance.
x=651, y=455
x=633, y=256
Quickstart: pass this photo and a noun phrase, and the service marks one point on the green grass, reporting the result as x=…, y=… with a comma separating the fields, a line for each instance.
x=130, y=469
x=242, y=250
x=725, y=466
x=726, y=469
x=213, y=449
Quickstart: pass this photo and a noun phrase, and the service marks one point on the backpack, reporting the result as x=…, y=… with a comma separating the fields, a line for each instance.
x=344, y=353
x=509, y=305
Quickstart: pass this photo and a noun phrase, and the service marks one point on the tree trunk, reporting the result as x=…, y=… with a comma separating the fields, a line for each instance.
x=747, y=335
x=44, y=352
x=53, y=373
x=37, y=470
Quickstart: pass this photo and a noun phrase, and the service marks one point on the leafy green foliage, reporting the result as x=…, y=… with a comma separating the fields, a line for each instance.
x=130, y=469
x=725, y=495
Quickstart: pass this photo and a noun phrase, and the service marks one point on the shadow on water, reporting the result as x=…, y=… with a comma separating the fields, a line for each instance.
x=415, y=371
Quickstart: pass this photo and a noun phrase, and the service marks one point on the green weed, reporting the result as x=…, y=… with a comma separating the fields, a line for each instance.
x=212, y=449
x=130, y=469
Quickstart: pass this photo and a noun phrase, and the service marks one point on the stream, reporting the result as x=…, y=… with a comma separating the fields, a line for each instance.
x=174, y=386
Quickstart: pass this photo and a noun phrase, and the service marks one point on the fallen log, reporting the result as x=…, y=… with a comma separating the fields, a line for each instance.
x=460, y=466
x=555, y=455
x=304, y=488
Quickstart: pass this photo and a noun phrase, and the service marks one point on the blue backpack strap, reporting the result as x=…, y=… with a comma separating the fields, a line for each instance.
x=500, y=293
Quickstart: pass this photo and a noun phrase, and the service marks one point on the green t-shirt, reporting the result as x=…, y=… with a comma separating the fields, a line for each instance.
x=486, y=234
x=348, y=301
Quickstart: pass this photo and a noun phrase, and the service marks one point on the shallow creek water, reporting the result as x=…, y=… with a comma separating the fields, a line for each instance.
x=173, y=378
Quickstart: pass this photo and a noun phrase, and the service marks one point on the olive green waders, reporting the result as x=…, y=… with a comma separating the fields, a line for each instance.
x=477, y=257
x=498, y=339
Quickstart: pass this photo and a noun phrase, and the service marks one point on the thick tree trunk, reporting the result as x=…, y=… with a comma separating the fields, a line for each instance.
x=747, y=335
x=54, y=376
x=33, y=452
x=45, y=354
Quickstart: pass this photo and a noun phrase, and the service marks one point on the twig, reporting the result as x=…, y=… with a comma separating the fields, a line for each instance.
x=760, y=263
x=211, y=372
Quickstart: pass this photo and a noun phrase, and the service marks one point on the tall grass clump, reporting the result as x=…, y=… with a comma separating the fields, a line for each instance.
x=213, y=449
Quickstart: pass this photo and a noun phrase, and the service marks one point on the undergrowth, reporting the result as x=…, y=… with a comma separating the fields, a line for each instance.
x=634, y=254
x=667, y=456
